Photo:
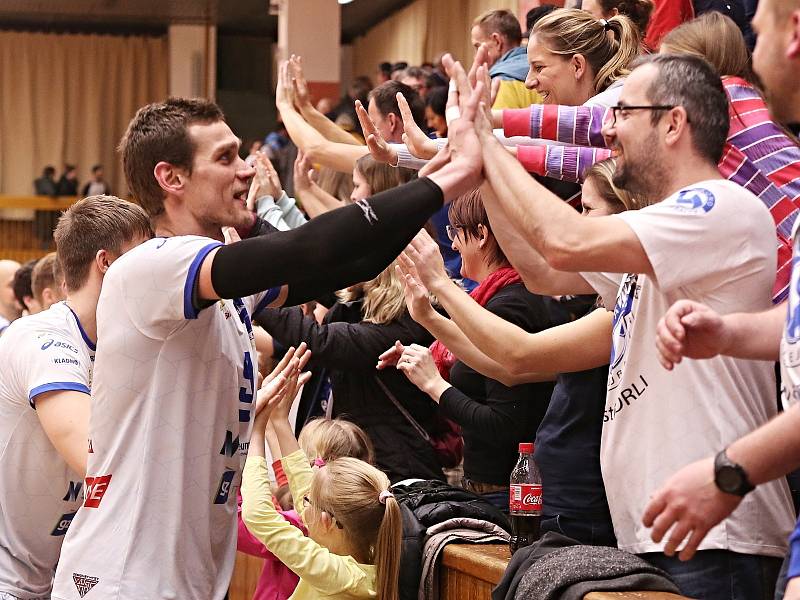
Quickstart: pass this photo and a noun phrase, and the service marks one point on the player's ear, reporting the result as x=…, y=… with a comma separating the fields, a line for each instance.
x=170, y=178
x=102, y=260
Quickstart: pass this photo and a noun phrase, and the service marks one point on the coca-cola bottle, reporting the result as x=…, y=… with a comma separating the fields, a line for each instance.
x=525, y=499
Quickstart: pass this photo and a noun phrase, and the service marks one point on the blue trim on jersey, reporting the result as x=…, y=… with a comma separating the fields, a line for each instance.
x=71, y=386
x=269, y=298
x=85, y=337
x=189, y=310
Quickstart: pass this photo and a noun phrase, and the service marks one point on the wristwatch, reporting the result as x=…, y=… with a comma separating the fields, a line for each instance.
x=730, y=477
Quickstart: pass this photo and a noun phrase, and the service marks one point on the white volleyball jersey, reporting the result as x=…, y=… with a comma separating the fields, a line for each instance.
x=171, y=403
x=39, y=493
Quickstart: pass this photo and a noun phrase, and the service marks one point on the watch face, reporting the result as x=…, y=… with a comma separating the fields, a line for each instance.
x=728, y=479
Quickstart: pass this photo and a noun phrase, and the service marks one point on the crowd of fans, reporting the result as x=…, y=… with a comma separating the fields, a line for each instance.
x=584, y=237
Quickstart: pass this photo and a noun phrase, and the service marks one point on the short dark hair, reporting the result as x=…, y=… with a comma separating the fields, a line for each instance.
x=49, y=170
x=537, y=13
x=92, y=224
x=22, y=282
x=385, y=96
x=466, y=213
x=692, y=83
x=503, y=22
x=437, y=100
x=160, y=132
x=96, y=168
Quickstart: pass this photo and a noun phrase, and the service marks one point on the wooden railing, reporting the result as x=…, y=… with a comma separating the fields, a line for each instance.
x=26, y=225
x=468, y=572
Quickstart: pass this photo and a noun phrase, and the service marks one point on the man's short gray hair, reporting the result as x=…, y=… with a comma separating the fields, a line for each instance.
x=692, y=83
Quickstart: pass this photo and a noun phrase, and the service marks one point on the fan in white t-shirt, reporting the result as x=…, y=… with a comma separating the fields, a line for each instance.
x=702, y=238
x=47, y=363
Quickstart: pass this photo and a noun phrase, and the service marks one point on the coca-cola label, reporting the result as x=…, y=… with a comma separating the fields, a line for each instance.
x=525, y=497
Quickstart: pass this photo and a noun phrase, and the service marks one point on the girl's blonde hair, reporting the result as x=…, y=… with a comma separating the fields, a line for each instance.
x=339, y=185
x=350, y=491
x=601, y=175
x=384, y=300
x=714, y=38
x=608, y=49
x=380, y=176
x=330, y=439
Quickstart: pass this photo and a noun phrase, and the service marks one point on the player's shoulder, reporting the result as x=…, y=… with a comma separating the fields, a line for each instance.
x=57, y=324
x=165, y=250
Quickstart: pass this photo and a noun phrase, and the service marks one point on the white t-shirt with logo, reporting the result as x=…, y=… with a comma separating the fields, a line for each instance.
x=170, y=424
x=790, y=340
x=714, y=243
x=39, y=493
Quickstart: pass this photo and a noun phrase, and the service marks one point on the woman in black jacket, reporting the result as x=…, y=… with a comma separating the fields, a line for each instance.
x=347, y=344
x=494, y=418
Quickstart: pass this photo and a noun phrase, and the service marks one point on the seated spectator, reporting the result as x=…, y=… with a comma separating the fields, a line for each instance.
x=96, y=186
x=494, y=418
x=46, y=184
x=22, y=288
x=638, y=11
x=499, y=32
x=68, y=183
x=384, y=72
x=10, y=308
x=47, y=281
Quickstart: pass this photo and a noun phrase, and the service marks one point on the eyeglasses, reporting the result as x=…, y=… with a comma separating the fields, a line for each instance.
x=624, y=108
x=307, y=502
x=452, y=231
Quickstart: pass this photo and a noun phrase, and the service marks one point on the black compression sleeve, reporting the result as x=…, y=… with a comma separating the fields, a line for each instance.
x=342, y=247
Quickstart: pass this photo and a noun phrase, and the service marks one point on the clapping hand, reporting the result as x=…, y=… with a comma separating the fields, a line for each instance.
x=423, y=259
x=303, y=173
x=266, y=181
x=378, y=147
x=419, y=144
x=417, y=364
x=417, y=298
x=301, y=95
x=284, y=90
x=277, y=391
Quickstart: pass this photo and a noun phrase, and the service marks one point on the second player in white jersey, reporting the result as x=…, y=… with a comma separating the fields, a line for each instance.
x=39, y=494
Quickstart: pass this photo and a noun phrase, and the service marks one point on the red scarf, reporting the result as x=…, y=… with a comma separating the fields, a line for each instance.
x=504, y=276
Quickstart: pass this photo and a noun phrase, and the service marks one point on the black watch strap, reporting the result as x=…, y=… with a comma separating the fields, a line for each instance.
x=731, y=477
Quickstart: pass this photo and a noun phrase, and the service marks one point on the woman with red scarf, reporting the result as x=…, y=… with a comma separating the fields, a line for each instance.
x=494, y=418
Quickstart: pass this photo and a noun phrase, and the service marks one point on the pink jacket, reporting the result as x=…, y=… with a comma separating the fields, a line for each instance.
x=277, y=581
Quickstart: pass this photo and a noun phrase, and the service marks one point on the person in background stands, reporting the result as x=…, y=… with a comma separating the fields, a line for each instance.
x=96, y=186
x=68, y=183
x=23, y=290
x=46, y=184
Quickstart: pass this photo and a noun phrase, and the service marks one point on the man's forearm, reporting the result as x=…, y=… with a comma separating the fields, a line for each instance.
x=772, y=450
x=447, y=332
x=755, y=336
x=326, y=127
x=538, y=276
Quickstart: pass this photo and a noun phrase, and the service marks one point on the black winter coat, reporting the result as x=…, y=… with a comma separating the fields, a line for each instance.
x=349, y=348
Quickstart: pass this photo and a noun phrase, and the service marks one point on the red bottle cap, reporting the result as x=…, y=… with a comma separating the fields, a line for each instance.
x=526, y=448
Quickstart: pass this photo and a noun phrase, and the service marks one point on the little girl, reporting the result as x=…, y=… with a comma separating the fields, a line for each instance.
x=353, y=520
x=321, y=438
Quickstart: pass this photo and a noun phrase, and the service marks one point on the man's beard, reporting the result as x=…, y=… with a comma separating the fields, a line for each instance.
x=645, y=179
